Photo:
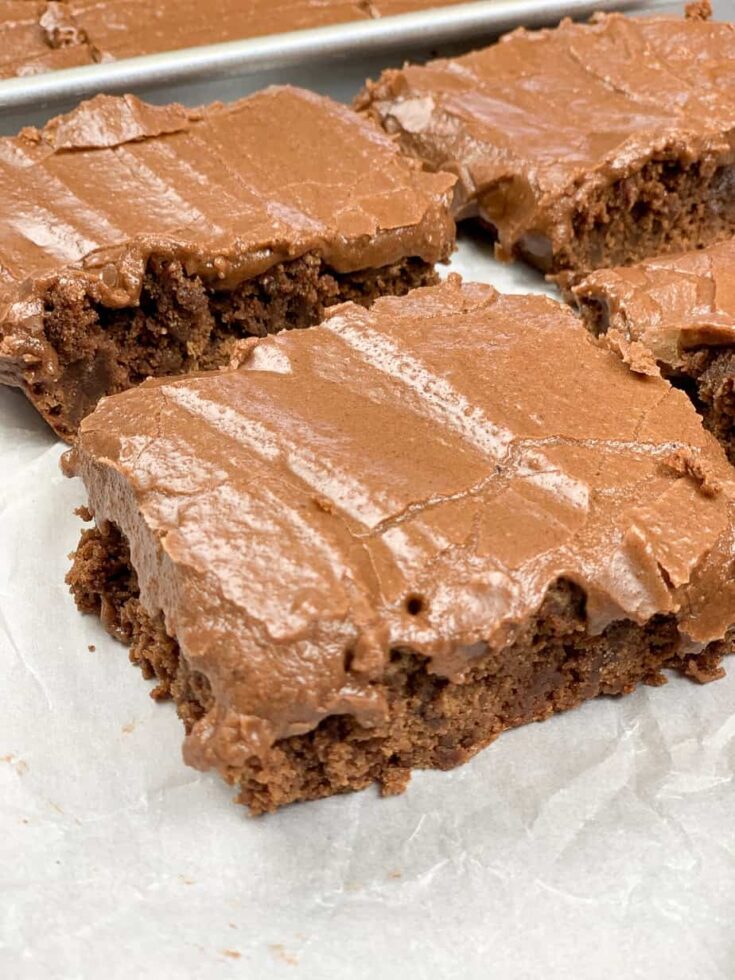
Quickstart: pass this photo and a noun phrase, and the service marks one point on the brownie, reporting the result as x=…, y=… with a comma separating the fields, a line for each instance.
x=583, y=146
x=676, y=315
x=37, y=37
x=140, y=240
x=367, y=551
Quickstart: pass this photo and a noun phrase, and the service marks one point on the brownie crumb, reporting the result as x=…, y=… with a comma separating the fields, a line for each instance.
x=636, y=355
x=30, y=134
x=704, y=668
x=92, y=648
x=685, y=463
x=699, y=10
x=282, y=954
x=324, y=504
x=242, y=350
x=59, y=27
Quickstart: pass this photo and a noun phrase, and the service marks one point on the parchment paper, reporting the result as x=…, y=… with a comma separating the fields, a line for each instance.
x=599, y=844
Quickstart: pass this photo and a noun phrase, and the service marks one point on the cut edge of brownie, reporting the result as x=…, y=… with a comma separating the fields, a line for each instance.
x=706, y=374
x=554, y=665
x=183, y=324
x=670, y=203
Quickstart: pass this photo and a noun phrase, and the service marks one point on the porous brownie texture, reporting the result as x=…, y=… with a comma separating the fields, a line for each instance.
x=553, y=665
x=672, y=203
x=184, y=324
x=713, y=375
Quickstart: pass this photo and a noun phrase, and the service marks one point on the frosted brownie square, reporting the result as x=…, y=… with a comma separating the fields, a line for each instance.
x=140, y=240
x=367, y=551
x=582, y=146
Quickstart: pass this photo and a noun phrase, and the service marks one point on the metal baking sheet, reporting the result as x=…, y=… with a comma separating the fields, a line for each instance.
x=363, y=39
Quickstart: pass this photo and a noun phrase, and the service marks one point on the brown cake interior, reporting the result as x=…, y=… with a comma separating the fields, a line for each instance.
x=183, y=324
x=555, y=664
x=669, y=205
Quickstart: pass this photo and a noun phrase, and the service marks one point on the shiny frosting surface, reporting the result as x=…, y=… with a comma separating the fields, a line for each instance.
x=532, y=124
x=403, y=477
x=229, y=190
x=37, y=36
x=670, y=304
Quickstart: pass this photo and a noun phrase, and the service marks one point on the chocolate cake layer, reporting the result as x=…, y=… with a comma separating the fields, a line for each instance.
x=584, y=146
x=38, y=36
x=675, y=314
x=141, y=240
x=366, y=551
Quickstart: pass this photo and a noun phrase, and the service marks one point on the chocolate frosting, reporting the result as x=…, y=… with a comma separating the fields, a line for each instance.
x=536, y=123
x=36, y=36
x=126, y=28
x=39, y=37
x=229, y=190
x=403, y=477
x=671, y=304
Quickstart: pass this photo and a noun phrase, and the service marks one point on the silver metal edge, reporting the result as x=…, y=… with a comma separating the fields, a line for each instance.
x=363, y=38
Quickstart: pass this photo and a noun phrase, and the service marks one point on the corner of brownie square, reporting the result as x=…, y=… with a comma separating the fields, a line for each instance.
x=382, y=542
x=140, y=240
